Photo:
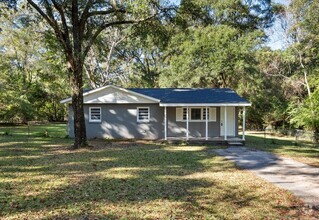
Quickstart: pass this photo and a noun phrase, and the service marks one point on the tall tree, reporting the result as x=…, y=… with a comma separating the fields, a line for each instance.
x=31, y=76
x=304, y=36
x=210, y=57
x=77, y=24
x=216, y=43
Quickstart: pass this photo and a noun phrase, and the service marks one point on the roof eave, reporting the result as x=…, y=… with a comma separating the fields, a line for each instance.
x=204, y=104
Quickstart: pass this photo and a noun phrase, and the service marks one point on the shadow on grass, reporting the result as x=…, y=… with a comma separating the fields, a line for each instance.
x=44, y=175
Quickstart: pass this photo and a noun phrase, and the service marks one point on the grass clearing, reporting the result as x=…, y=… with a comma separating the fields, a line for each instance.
x=42, y=179
x=304, y=152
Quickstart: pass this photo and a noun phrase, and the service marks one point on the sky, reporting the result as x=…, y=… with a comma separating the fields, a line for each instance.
x=276, y=33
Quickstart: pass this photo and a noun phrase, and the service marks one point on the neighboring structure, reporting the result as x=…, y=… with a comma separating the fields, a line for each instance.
x=168, y=113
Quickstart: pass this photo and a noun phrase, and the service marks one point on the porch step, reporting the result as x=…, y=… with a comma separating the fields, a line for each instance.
x=235, y=143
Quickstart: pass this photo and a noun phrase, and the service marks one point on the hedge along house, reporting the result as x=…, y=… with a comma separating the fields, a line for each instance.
x=167, y=113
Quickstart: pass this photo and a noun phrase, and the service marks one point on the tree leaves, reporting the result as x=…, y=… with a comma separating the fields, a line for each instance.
x=209, y=57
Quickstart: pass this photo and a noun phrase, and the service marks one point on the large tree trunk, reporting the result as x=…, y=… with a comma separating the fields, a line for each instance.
x=77, y=80
x=78, y=110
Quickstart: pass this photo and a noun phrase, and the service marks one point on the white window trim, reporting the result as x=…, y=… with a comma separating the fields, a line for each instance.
x=144, y=120
x=95, y=120
x=202, y=112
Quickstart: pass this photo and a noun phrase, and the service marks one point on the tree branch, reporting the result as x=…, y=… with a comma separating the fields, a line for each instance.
x=107, y=12
x=100, y=29
x=83, y=17
x=114, y=23
x=65, y=35
x=87, y=8
x=41, y=12
x=50, y=20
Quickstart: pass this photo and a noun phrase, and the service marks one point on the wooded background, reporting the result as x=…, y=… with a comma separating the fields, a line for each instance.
x=190, y=43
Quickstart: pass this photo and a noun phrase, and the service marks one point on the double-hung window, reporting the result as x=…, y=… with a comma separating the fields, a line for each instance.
x=196, y=114
x=95, y=114
x=143, y=114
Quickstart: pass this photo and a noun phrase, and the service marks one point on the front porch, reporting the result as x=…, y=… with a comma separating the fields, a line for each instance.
x=209, y=123
x=213, y=140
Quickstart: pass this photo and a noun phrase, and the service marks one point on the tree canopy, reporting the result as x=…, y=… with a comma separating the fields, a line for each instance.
x=50, y=44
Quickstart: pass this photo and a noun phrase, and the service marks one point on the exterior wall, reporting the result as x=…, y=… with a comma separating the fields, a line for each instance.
x=196, y=129
x=119, y=121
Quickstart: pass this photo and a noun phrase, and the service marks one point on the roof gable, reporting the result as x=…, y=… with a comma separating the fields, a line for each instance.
x=112, y=94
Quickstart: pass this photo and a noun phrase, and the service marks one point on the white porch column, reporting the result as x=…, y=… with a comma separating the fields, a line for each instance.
x=187, y=123
x=206, y=121
x=244, y=121
x=225, y=123
x=165, y=123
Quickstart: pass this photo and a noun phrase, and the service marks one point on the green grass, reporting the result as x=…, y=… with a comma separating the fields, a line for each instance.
x=305, y=152
x=23, y=132
x=40, y=178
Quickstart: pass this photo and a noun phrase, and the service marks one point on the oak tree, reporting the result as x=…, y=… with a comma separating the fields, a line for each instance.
x=77, y=24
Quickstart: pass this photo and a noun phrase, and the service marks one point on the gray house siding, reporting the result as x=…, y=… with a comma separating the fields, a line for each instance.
x=120, y=121
x=196, y=129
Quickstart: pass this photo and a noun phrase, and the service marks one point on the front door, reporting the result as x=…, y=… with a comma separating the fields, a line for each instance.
x=230, y=118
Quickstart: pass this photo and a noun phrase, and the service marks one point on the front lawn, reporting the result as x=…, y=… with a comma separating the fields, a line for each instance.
x=305, y=152
x=40, y=178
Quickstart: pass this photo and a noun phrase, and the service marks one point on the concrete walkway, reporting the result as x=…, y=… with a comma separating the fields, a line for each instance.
x=299, y=178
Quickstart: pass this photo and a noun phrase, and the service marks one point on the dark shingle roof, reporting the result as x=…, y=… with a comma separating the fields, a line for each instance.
x=192, y=95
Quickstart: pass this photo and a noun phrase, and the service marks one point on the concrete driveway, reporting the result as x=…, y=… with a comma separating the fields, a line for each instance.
x=299, y=178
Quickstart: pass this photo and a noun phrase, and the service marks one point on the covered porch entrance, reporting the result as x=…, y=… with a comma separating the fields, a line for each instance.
x=208, y=123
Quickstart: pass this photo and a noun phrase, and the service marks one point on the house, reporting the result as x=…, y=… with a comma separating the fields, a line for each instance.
x=161, y=113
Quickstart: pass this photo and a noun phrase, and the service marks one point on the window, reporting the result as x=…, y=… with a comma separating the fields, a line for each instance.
x=143, y=114
x=95, y=114
x=196, y=114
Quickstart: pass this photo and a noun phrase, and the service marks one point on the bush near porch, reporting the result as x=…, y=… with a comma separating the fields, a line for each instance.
x=42, y=178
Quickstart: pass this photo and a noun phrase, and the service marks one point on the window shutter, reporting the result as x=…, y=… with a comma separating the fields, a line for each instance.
x=212, y=114
x=179, y=114
x=204, y=113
